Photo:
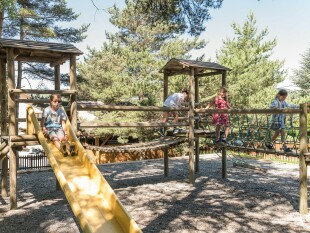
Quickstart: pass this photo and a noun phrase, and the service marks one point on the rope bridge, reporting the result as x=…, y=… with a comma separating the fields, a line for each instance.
x=161, y=143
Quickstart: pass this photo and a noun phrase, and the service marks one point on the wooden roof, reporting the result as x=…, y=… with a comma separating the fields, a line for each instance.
x=35, y=51
x=182, y=66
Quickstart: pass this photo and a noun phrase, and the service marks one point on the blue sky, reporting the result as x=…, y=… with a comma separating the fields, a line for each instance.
x=287, y=20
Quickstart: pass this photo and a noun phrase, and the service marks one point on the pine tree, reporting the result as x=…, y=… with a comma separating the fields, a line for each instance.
x=302, y=75
x=181, y=16
x=253, y=71
x=129, y=63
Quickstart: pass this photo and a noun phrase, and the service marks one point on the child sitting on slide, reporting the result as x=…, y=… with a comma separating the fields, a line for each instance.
x=53, y=124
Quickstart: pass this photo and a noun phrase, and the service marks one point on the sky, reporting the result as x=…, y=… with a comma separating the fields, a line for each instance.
x=287, y=20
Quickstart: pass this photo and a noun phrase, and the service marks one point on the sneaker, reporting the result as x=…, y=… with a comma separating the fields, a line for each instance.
x=269, y=146
x=176, y=130
x=63, y=149
x=161, y=132
x=217, y=141
x=72, y=149
x=287, y=150
x=224, y=140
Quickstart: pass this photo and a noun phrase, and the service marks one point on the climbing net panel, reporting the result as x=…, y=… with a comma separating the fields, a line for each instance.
x=253, y=131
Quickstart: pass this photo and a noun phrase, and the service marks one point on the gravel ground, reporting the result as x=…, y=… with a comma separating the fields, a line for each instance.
x=247, y=201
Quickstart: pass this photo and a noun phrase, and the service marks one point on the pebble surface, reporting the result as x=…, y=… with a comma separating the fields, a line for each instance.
x=247, y=201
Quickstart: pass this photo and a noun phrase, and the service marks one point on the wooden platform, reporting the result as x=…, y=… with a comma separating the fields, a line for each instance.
x=197, y=132
x=258, y=150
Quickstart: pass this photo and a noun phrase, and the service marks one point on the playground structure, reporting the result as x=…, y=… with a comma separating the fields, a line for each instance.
x=57, y=54
x=92, y=200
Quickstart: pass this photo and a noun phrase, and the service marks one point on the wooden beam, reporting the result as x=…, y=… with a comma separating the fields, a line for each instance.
x=303, y=147
x=47, y=92
x=59, y=61
x=40, y=53
x=4, y=151
x=57, y=77
x=208, y=74
x=191, y=135
x=4, y=177
x=3, y=145
x=23, y=137
x=32, y=101
x=249, y=111
x=12, y=128
x=224, y=151
x=165, y=86
x=3, y=97
x=24, y=143
x=34, y=59
x=3, y=125
x=73, y=97
x=86, y=107
x=131, y=124
x=197, y=152
x=224, y=75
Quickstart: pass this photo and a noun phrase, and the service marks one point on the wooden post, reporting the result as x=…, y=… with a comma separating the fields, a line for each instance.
x=29, y=127
x=224, y=75
x=197, y=152
x=3, y=101
x=303, y=196
x=73, y=100
x=57, y=77
x=12, y=128
x=166, y=162
x=165, y=91
x=165, y=86
x=224, y=152
x=191, y=136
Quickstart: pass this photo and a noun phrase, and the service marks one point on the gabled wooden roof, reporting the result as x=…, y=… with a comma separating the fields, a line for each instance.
x=38, y=51
x=182, y=66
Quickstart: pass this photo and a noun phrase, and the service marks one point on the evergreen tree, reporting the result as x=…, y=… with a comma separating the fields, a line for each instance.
x=253, y=72
x=129, y=63
x=181, y=16
x=8, y=7
x=39, y=20
x=302, y=75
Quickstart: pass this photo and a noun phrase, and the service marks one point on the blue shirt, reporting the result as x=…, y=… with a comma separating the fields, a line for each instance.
x=53, y=118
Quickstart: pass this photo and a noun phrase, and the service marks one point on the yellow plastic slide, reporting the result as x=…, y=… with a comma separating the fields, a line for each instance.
x=91, y=198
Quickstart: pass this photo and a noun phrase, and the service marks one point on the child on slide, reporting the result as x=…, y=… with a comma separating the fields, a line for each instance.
x=53, y=124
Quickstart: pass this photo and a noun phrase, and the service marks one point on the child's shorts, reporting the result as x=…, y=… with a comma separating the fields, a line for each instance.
x=277, y=126
x=55, y=133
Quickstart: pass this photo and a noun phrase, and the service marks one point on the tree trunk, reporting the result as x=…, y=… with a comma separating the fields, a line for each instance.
x=1, y=22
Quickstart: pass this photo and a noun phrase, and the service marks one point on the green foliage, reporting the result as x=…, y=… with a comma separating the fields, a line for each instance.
x=8, y=6
x=180, y=16
x=302, y=75
x=248, y=55
x=129, y=63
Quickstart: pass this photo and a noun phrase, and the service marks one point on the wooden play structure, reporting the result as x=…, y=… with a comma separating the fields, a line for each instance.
x=91, y=198
x=106, y=208
x=195, y=70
